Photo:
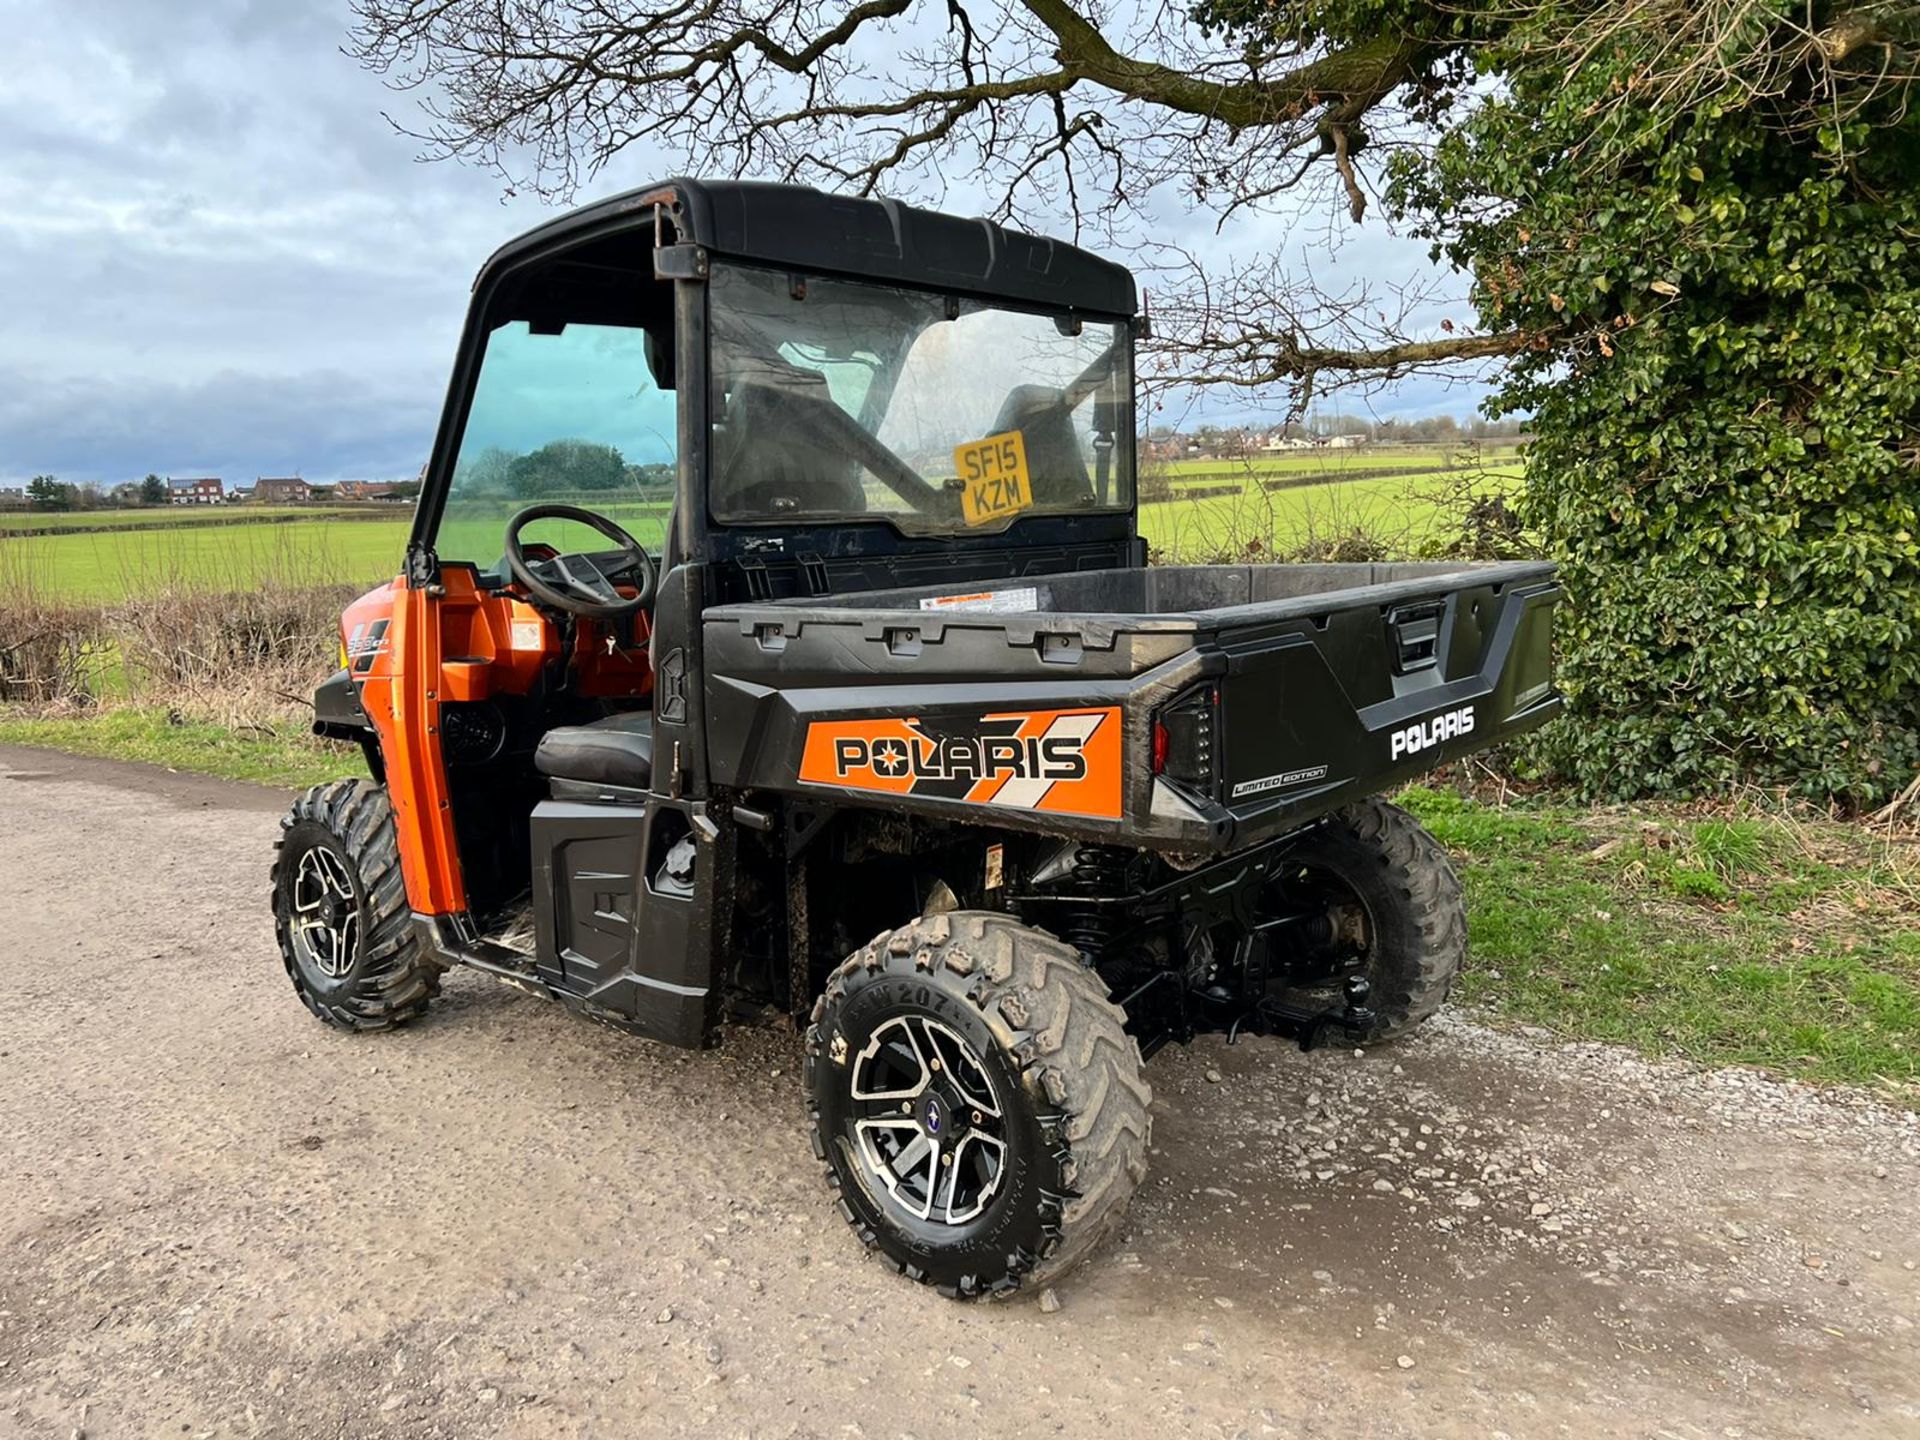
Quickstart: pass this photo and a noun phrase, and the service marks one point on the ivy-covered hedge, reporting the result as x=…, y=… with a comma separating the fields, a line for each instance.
x=1728, y=462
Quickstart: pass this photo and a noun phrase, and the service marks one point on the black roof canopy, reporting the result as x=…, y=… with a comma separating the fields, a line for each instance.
x=818, y=233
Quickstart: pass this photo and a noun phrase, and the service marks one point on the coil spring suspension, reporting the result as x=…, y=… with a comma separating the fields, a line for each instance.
x=1098, y=871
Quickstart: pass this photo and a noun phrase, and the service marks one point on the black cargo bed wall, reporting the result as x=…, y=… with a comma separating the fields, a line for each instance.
x=1211, y=593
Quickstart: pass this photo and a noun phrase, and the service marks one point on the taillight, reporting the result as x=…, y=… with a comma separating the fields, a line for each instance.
x=1184, y=739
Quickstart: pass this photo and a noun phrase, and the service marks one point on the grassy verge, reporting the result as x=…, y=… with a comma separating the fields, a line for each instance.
x=1755, y=939
x=287, y=757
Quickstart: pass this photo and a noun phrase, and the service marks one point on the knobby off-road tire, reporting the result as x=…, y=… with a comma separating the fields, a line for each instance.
x=1416, y=918
x=370, y=971
x=1065, y=1079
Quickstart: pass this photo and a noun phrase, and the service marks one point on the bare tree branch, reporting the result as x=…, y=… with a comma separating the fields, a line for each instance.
x=546, y=92
x=1264, y=328
x=1358, y=77
x=1089, y=109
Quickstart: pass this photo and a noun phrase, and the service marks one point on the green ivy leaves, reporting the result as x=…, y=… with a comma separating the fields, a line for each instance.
x=1728, y=419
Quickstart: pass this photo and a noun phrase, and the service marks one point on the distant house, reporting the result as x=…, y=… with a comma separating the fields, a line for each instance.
x=13, y=497
x=205, y=491
x=291, y=491
x=361, y=490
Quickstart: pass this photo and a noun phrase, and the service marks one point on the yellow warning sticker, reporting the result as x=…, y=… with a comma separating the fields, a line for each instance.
x=993, y=477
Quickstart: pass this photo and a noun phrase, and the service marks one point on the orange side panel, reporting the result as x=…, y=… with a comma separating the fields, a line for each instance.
x=1063, y=761
x=861, y=754
x=407, y=678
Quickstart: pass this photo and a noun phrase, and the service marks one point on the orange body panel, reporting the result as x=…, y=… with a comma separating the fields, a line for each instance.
x=411, y=650
x=1064, y=762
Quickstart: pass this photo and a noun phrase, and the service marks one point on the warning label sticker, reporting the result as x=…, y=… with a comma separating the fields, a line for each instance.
x=1022, y=600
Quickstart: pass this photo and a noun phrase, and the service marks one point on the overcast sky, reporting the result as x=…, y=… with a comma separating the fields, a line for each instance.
x=217, y=258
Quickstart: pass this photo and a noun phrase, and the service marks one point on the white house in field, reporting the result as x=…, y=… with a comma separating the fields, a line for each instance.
x=204, y=491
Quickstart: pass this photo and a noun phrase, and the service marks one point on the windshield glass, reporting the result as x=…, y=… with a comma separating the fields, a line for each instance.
x=834, y=400
x=577, y=418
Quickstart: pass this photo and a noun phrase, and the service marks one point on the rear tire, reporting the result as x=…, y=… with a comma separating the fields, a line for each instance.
x=972, y=1014
x=340, y=911
x=1398, y=878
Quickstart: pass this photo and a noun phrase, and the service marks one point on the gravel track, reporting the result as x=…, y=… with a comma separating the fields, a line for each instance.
x=219, y=1218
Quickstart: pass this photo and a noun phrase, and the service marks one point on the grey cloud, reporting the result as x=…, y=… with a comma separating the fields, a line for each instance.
x=216, y=255
x=229, y=424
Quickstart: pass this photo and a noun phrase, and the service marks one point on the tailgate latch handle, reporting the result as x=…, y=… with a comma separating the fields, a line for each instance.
x=1414, y=631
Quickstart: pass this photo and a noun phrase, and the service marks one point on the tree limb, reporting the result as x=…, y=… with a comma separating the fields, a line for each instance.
x=1364, y=73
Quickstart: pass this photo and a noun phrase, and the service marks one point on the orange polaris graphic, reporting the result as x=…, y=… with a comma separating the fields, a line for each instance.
x=1064, y=762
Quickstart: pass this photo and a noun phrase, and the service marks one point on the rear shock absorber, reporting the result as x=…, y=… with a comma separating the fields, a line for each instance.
x=1098, y=871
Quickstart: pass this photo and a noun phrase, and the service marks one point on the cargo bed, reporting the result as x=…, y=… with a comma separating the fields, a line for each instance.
x=1246, y=699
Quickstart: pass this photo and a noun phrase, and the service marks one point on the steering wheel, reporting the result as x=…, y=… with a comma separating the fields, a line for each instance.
x=585, y=584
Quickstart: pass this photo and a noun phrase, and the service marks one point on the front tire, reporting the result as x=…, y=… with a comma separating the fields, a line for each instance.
x=340, y=911
x=973, y=1037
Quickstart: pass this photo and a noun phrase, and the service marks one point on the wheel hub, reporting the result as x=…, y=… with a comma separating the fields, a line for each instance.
x=936, y=1119
x=326, y=916
x=927, y=1127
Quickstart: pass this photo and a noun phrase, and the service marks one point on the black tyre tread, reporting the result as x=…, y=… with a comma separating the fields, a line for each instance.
x=1067, y=1039
x=396, y=980
x=1422, y=875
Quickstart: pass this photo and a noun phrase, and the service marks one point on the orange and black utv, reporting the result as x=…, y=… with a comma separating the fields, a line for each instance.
x=776, y=634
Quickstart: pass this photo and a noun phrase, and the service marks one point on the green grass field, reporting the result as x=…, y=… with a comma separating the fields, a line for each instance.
x=167, y=517
x=107, y=565
x=1401, y=510
x=237, y=549
x=316, y=548
x=1333, y=463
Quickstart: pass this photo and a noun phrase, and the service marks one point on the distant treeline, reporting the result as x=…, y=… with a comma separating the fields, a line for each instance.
x=556, y=466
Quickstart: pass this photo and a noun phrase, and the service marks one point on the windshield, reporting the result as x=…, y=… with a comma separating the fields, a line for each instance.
x=834, y=400
x=579, y=418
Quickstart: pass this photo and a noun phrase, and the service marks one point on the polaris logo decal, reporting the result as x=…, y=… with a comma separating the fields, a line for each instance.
x=1048, y=757
x=1431, y=732
x=1061, y=761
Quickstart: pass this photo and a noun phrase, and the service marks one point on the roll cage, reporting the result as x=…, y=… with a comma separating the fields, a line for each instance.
x=606, y=259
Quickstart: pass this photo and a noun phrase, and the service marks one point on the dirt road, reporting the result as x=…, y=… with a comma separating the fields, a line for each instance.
x=219, y=1218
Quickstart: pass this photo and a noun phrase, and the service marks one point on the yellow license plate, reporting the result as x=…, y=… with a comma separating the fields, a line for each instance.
x=993, y=477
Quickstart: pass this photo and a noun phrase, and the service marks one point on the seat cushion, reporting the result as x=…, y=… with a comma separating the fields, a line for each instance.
x=615, y=751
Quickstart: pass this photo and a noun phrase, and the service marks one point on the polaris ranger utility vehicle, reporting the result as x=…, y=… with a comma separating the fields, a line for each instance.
x=776, y=634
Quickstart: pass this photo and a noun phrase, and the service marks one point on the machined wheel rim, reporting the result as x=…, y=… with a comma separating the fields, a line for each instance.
x=326, y=916
x=928, y=1127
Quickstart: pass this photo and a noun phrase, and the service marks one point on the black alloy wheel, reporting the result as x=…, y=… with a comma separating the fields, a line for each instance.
x=340, y=911
x=977, y=1102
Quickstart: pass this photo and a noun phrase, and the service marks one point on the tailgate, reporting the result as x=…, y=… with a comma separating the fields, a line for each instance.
x=1388, y=682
